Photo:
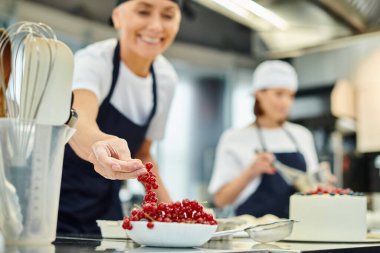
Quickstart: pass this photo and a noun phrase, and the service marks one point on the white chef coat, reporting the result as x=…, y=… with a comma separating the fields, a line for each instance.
x=236, y=150
x=133, y=96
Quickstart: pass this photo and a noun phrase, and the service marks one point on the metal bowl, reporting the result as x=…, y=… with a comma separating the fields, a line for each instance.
x=270, y=232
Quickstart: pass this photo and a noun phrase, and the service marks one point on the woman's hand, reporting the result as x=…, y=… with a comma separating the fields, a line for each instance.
x=262, y=164
x=112, y=159
x=326, y=177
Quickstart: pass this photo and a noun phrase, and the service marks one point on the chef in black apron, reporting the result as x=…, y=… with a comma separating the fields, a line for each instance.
x=100, y=153
x=274, y=87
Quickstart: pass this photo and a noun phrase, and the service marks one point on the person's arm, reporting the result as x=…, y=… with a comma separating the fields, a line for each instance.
x=109, y=154
x=228, y=193
x=145, y=155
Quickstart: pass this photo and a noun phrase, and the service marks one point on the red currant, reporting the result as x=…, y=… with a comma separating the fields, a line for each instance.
x=150, y=225
x=186, y=211
x=149, y=166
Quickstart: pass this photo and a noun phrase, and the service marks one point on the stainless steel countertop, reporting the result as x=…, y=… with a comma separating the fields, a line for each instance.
x=79, y=245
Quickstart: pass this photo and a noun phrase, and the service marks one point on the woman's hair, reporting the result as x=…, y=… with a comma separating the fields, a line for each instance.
x=257, y=110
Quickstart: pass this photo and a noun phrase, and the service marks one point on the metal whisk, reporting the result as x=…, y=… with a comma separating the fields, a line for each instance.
x=31, y=63
x=26, y=60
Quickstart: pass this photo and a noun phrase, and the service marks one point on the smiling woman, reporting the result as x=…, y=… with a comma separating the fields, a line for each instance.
x=123, y=90
x=146, y=29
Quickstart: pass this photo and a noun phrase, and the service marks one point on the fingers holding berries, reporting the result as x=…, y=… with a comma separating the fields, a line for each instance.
x=112, y=160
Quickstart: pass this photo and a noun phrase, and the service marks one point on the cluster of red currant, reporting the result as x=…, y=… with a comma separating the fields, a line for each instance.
x=149, y=182
x=332, y=191
x=182, y=212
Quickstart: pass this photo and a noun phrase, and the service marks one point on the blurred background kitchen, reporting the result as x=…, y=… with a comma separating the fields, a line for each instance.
x=333, y=44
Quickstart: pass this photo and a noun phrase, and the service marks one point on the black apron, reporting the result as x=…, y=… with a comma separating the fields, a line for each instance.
x=85, y=195
x=272, y=195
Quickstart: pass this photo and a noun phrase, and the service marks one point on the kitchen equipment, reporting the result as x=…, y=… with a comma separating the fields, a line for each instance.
x=5, y=69
x=41, y=83
x=56, y=102
x=32, y=139
x=37, y=184
x=10, y=211
x=32, y=59
x=9, y=202
x=302, y=181
x=264, y=233
x=240, y=221
x=30, y=65
x=2, y=243
x=168, y=234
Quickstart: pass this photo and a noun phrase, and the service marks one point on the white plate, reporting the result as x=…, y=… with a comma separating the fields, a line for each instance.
x=165, y=234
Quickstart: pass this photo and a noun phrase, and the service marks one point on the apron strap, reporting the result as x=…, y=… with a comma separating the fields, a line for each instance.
x=262, y=142
x=115, y=76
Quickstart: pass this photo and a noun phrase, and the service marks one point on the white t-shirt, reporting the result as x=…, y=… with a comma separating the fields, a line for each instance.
x=236, y=150
x=132, y=96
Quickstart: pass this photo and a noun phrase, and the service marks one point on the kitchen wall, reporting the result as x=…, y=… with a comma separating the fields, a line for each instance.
x=325, y=65
x=352, y=155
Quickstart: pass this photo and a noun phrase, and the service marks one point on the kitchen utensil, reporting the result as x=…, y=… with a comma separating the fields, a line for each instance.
x=168, y=234
x=56, y=102
x=32, y=60
x=269, y=232
x=5, y=68
x=300, y=180
x=41, y=82
x=37, y=184
x=10, y=211
x=31, y=63
x=31, y=67
x=32, y=153
x=37, y=64
x=2, y=243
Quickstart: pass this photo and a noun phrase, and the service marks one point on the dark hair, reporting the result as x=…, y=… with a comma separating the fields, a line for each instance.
x=257, y=110
x=118, y=2
x=183, y=4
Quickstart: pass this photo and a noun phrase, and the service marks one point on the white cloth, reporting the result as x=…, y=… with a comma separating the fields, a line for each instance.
x=133, y=95
x=236, y=150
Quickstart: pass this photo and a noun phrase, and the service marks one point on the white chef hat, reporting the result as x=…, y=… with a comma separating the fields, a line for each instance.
x=274, y=74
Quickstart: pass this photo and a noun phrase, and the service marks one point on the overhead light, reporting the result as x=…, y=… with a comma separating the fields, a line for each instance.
x=248, y=12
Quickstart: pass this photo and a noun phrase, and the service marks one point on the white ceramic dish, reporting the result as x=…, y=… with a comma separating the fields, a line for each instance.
x=165, y=234
x=112, y=229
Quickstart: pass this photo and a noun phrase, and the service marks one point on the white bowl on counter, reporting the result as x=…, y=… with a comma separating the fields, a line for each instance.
x=171, y=234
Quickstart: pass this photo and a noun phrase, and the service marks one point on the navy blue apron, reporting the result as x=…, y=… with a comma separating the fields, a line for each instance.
x=272, y=195
x=86, y=196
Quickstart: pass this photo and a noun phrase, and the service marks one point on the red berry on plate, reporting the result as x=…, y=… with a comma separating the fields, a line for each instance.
x=150, y=225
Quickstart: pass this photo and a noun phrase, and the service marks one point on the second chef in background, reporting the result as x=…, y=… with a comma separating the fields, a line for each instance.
x=243, y=175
